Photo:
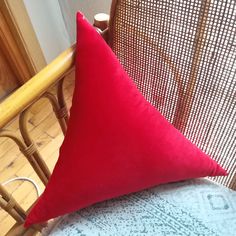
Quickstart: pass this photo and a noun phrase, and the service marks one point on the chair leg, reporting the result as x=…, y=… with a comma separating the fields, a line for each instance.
x=9, y=204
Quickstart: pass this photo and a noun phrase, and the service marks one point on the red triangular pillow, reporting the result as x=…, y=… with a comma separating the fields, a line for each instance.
x=116, y=143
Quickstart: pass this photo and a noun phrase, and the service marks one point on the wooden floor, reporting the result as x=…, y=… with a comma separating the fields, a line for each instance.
x=47, y=135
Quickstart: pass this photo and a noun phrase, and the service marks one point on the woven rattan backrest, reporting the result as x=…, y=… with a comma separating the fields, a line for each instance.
x=181, y=54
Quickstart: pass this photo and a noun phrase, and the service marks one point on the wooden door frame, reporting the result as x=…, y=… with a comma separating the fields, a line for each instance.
x=18, y=40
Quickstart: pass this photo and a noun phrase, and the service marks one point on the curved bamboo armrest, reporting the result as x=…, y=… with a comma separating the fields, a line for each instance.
x=36, y=86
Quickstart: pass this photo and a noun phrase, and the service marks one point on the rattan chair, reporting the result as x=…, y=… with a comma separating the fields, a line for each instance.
x=181, y=54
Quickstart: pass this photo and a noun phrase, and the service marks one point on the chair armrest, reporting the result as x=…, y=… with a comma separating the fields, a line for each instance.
x=36, y=86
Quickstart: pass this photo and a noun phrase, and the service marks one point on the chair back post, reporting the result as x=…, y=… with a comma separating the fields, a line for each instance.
x=101, y=22
x=182, y=112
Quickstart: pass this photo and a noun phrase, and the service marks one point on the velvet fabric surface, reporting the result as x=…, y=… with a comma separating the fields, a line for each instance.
x=117, y=142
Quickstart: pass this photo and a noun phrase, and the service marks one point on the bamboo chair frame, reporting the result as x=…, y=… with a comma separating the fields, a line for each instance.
x=22, y=99
x=20, y=103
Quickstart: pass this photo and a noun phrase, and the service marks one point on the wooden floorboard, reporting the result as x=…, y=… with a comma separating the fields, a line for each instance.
x=46, y=133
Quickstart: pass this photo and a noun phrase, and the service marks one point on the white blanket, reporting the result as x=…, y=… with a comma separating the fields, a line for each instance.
x=194, y=207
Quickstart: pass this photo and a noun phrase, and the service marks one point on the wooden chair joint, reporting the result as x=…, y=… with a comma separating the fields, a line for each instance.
x=61, y=113
x=10, y=205
x=29, y=150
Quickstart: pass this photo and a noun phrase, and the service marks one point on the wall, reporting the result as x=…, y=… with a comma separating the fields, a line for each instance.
x=54, y=21
x=49, y=26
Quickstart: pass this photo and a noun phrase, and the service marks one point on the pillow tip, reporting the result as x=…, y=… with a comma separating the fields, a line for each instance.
x=220, y=171
x=27, y=224
x=79, y=15
x=225, y=173
x=30, y=220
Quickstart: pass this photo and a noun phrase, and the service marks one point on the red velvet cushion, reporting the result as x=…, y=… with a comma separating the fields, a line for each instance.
x=116, y=143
